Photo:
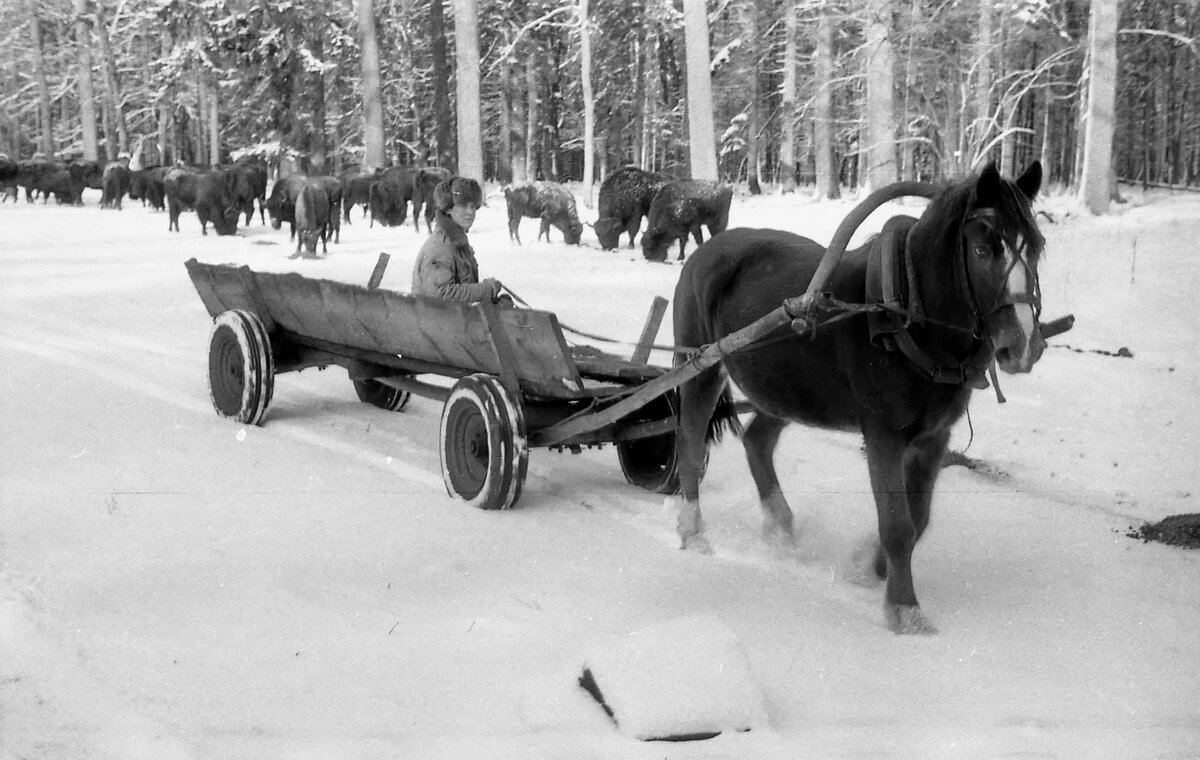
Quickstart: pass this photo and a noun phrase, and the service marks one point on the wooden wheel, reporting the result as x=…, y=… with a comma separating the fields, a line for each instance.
x=241, y=367
x=381, y=395
x=651, y=463
x=484, y=452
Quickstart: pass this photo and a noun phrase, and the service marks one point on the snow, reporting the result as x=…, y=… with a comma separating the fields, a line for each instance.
x=174, y=585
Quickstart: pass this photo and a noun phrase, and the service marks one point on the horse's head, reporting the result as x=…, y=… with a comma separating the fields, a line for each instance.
x=1001, y=251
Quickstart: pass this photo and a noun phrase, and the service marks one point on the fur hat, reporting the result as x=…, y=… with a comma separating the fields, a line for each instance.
x=456, y=190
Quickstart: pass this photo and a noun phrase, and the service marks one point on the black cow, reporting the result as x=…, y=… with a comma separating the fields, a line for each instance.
x=207, y=193
x=8, y=178
x=390, y=195
x=332, y=187
x=423, y=183
x=679, y=208
x=92, y=172
x=548, y=201
x=117, y=181
x=312, y=218
x=281, y=204
x=146, y=185
x=625, y=197
x=356, y=189
x=247, y=183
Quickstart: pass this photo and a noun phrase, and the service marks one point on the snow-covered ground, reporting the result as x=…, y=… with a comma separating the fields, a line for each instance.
x=173, y=585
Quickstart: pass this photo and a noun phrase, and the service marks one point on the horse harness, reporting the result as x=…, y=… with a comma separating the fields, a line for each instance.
x=891, y=287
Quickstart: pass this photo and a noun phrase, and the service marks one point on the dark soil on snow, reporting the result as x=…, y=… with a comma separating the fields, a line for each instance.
x=1176, y=530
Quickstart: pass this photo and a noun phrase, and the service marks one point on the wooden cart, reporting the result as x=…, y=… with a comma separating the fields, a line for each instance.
x=516, y=383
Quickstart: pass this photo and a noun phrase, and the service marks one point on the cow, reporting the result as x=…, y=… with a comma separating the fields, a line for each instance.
x=390, y=194
x=92, y=172
x=206, y=193
x=281, y=203
x=625, y=197
x=65, y=181
x=312, y=219
x=679, y=208
x=332, y=187
x=356, y=189
x=247, y=183
x=423, y=184
x=548, y=201
x=117, y=181
x=146, y=185
x=8, y=178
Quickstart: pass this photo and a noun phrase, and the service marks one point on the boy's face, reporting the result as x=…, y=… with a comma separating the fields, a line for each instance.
x=463, y=214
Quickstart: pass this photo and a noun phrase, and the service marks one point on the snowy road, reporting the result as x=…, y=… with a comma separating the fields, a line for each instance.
x=178, y=586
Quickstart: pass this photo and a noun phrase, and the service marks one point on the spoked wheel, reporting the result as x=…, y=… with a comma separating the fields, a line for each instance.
x=241, y=367
x=483, y=447
x=381, y=395
x=651, y=463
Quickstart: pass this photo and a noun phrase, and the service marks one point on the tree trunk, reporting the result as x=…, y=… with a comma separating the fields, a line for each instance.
x=504, y=159
x=880, y=154
x=466, y=57
x=1095, y=189
x=374, y=150
x=318, y=147
x=701, y=137
x=828, y=183
x=113, y=94
x=981, y=128
x=87, y=90
x=447, y=151
x=531, y=118
x=589, y=105
x=787, y=120
x=748, y=77
x=45, y=123
x=214, y=120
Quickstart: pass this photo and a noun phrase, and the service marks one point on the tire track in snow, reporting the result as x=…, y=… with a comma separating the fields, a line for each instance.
x=139, y=384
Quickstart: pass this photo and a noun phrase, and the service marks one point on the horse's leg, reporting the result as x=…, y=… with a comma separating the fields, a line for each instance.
x=697, y=401
x=888, y=460
x=760, y=439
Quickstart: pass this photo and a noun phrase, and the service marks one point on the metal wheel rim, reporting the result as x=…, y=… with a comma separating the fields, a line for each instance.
x=467, y=448
x=227, y=371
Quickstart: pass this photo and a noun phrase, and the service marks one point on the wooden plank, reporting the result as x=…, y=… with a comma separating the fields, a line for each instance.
x=377, y=273
x=658, y=308
x=428, y=329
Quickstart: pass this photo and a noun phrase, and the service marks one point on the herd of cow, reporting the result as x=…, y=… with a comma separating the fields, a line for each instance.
x=315, y=206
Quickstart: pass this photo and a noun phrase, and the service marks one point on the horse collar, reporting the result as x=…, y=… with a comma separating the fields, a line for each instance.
x=892, y=286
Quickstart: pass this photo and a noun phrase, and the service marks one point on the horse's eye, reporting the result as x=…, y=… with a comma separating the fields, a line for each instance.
x=983, y=251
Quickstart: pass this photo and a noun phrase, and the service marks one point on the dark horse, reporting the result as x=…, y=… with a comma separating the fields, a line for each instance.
x=961, y=290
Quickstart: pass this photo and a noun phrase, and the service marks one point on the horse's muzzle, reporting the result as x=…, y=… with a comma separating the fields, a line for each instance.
x=1017, y=339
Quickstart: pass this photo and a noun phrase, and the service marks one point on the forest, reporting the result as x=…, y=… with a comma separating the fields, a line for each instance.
x=199, y=82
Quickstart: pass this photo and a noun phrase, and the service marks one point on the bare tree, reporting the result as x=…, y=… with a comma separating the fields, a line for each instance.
x=880, y=152
x=787, y=137
x=702, y=140
x=46, y=124
x=87, y=90
x=828, y=181
x=466, y=56
x=1095, y=183
x=589, y=104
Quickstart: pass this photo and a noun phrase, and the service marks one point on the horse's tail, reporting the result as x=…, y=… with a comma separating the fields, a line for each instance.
x=724, y=418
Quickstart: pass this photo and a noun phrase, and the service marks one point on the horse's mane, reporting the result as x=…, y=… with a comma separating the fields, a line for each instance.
x=1015, y=221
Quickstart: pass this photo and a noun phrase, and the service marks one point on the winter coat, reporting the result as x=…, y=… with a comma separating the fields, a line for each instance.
x=446, y=266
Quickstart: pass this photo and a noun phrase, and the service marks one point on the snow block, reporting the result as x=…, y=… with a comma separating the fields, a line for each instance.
x=680, y=680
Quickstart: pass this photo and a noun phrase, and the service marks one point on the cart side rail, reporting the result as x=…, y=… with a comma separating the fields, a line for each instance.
x=385, y=321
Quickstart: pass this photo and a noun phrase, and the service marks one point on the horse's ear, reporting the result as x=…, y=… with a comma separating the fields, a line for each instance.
x=987, y=189
x=1031, y=181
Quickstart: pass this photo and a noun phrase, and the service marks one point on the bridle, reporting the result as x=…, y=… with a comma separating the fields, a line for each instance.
x=1002, y=297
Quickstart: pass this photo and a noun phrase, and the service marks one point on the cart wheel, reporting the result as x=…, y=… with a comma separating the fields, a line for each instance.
x=483, y=448
x=651, y=463
x=381, y=395
x=241, y=367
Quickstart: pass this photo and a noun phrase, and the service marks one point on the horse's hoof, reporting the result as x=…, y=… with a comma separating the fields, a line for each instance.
x=696, y=543
x=908, y=620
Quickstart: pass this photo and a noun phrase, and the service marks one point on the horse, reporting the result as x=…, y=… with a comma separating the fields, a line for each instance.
x=941, y=297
